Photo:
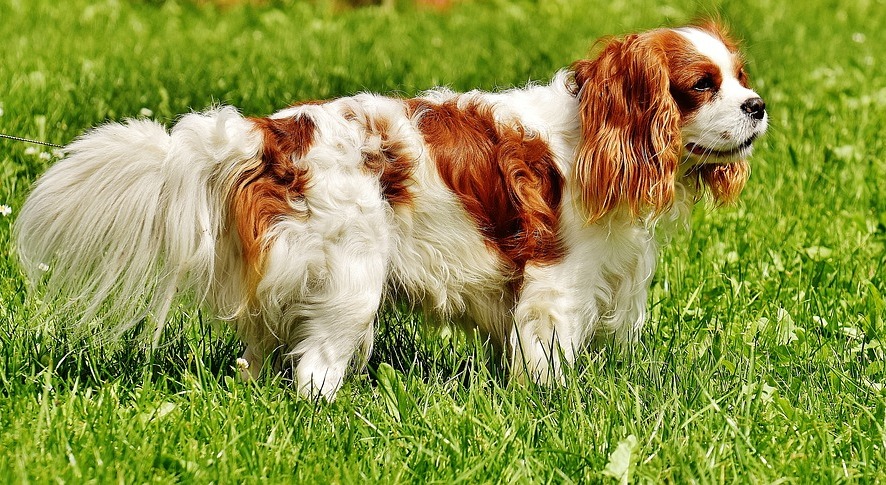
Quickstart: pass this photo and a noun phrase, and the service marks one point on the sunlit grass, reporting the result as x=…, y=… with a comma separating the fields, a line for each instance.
x=763, y=358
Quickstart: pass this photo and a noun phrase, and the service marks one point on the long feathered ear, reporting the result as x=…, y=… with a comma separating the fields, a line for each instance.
x=724, y=181
x=630, y=143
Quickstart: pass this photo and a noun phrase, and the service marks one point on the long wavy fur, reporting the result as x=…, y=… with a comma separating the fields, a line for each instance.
x=131, y=217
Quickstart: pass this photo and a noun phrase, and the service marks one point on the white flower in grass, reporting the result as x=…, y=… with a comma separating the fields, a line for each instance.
x=45, y=156
x=43, y=267
x=32, y=151
x=58, y=153
x=146, y=112
x=242, y=364
x=5, y=210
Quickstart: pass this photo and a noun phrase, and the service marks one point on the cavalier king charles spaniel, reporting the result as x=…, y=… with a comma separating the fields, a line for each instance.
x=529, y=213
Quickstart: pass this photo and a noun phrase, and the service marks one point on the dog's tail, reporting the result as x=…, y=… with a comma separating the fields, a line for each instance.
x=132, y=217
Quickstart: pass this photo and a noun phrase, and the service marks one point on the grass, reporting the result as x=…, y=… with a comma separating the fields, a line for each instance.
x=762, y=360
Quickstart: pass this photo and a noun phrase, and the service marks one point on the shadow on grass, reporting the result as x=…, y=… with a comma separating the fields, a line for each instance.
x=192, y=345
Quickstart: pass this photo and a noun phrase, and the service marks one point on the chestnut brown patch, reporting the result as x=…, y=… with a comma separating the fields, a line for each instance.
x=263, y=192
x=390, y=160
x=504, y=177
x=724, y=181
x=687, y=67
x=630, y=125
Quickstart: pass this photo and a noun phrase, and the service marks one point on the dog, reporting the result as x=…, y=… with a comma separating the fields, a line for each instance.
x=530, y=213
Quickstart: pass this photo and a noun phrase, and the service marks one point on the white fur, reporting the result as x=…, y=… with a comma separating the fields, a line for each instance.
x=130, y=217
x=135, y=215
x=721, y=125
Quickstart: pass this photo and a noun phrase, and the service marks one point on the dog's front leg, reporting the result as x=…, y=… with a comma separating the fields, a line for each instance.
x=545, y=335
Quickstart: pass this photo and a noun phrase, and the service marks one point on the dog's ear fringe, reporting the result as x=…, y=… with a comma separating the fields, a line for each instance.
x=724, y=182
x=630, y=145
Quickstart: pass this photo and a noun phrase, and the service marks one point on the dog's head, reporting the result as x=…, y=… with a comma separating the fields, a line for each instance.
x=658, y=104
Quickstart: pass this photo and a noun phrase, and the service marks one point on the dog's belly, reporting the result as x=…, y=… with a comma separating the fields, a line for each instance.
x=442, y=263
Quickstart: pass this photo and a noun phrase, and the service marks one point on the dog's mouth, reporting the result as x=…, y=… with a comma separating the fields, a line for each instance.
x=705, y=152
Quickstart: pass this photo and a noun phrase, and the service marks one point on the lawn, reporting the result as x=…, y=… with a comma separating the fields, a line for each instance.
x=763, y=355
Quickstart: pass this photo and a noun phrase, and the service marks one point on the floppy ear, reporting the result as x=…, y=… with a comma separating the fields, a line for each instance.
x=630, y=143
x=724, y=181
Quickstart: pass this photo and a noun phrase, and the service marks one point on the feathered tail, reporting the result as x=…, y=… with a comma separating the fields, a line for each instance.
x=133, y=216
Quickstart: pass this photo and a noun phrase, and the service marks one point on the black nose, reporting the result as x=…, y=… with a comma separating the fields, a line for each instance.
x=755, y=108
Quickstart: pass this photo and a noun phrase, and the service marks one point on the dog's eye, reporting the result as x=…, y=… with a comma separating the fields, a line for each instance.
x=704, y=84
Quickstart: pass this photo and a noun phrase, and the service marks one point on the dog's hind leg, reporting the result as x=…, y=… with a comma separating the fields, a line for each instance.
x=337, y=328
x=251, y=363
x=328, y=280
